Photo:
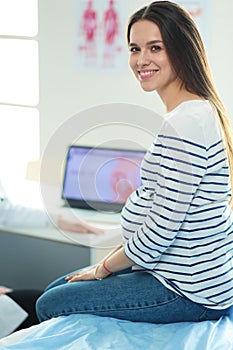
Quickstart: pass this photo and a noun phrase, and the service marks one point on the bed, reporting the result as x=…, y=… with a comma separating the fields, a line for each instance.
x=88, y=332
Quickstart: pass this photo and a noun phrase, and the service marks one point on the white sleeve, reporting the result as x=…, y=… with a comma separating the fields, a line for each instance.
x=17, y=215
x=20, y=216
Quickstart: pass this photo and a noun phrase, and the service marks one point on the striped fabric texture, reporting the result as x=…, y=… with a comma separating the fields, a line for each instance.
x=178, y=224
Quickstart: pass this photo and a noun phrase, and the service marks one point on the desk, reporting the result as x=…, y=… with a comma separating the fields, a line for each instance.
x=32, y=258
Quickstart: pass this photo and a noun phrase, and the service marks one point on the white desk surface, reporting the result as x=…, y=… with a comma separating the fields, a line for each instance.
x=108, y=239
x=32, y=194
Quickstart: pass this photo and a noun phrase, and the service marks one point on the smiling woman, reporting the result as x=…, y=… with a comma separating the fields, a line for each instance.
x=176, y=257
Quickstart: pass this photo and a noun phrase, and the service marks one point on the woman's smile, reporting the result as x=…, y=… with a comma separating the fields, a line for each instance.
x=147, y=74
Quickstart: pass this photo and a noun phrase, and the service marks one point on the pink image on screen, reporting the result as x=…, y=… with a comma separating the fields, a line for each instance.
x=124, y=179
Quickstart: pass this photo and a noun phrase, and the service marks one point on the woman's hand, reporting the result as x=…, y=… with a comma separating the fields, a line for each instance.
x=93, y=273
x=79, y=225
x=112, y=263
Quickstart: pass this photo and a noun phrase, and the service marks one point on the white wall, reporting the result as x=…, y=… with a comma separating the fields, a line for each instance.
x=64, y=90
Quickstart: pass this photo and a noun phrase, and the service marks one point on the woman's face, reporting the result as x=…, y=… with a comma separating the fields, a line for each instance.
x=148, y=58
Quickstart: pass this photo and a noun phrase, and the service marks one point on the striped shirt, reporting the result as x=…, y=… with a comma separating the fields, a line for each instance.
x=178, y=224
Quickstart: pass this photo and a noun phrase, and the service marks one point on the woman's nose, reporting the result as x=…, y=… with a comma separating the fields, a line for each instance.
x=143, y=58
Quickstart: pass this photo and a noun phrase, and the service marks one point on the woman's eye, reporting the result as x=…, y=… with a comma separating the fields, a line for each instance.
x=133, y=49
x=155, y=48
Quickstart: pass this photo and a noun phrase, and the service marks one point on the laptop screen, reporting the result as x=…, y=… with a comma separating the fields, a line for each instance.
x=100, y=178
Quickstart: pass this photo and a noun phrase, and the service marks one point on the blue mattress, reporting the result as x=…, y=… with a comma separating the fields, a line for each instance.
x=87, y=332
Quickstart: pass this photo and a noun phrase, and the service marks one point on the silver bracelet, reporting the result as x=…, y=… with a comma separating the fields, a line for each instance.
x=95, y=277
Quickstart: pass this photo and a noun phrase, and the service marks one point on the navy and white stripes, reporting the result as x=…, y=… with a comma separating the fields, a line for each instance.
x=178, y=225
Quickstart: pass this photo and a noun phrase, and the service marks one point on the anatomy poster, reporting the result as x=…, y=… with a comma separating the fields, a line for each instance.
x=100, y=35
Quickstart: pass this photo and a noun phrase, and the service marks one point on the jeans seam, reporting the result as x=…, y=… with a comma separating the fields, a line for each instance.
x=202, y=316
x=118, y=309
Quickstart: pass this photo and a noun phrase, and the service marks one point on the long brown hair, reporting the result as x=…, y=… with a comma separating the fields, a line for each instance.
x=186, y=51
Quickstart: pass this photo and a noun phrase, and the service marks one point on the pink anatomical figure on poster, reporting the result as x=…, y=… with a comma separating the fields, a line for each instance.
x=100, y=35
x=89, y=32
x=110, y=33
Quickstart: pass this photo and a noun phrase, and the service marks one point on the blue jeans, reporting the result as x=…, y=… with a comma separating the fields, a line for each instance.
x=134, y=296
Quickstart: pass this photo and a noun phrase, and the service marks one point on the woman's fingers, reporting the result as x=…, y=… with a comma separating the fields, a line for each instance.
x=81, y=276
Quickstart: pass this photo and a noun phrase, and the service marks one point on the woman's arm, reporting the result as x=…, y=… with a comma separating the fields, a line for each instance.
x=113, y=262
x=111, y=253
x=118, y=261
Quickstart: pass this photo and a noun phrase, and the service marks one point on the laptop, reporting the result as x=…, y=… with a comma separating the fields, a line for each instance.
x=100, y=179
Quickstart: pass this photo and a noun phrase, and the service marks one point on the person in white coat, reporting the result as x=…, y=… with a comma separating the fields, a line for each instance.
x=20, y=216
x=21, y=303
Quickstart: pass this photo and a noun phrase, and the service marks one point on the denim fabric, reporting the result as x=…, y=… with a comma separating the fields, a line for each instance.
x=133, y=296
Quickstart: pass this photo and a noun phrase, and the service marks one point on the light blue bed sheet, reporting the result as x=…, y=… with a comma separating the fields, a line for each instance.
x=87, y=332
